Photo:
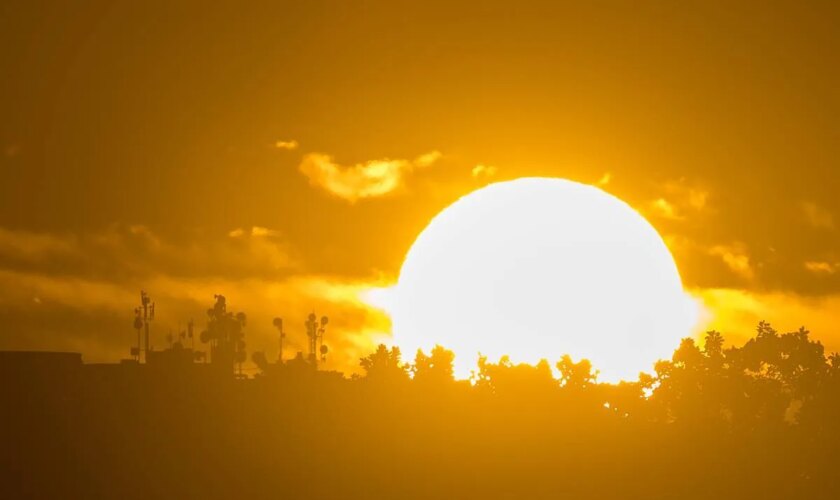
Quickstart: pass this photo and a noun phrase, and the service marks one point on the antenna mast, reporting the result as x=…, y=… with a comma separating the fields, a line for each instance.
x=144, y=315
x=278, y=323
x=315, y=331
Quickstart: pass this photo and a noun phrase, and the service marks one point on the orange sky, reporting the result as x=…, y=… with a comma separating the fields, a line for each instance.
x=287, y=154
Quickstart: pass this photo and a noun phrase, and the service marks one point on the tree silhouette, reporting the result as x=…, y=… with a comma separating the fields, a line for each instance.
x=713, y=344
x=385, y=365
x=435, y=368
x=511, y=380
x=578, y=376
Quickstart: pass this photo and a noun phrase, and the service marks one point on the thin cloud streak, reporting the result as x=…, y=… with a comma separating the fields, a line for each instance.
x=371, y=179
x=736, y=258
x=287, y=145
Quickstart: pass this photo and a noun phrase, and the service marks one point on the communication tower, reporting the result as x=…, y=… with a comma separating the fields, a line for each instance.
x=143, y=316
x=315, y=331
x=278, y=323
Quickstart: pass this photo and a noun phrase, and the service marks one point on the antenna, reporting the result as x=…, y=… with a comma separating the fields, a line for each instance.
x=143, y=316
x=138, y=325
x=278, y=323
x=225, y=336
x=315, y=331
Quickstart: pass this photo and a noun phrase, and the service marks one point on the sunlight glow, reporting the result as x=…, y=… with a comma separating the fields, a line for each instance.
x=537, y=268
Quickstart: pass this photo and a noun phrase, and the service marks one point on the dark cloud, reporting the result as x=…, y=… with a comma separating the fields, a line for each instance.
x=135, y=252
x=77, y=292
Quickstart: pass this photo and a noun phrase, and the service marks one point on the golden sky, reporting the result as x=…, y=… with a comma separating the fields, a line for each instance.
x=286, y=154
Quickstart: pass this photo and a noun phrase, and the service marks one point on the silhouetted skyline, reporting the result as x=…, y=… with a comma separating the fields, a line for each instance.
x=752, y=421
x=288, y=154
x=441, y=249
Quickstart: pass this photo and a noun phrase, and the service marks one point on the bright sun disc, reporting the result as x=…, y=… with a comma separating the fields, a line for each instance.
x=537, y=268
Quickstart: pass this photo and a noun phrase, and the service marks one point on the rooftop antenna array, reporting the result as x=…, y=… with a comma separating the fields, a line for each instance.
x=225, y=336
x=315, y=331
x=278, y=323
x=143, y=316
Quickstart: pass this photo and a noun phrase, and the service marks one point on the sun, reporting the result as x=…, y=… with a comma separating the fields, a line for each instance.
x=537, y=268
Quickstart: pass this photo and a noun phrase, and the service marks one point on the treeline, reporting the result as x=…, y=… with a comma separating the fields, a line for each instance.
x=752, y=421
x=773, y=379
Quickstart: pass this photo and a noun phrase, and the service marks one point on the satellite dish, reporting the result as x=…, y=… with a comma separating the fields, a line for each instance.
x=324, y=320
x=324, y=350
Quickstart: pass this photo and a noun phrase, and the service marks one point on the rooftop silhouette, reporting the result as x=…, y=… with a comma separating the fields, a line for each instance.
x=715, y=421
